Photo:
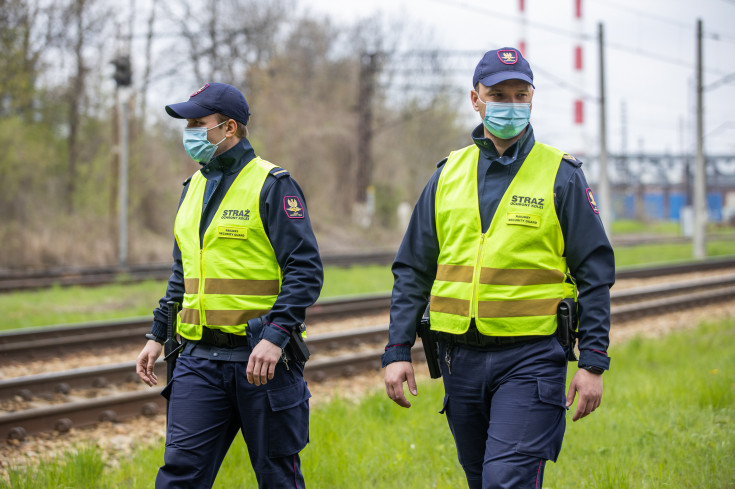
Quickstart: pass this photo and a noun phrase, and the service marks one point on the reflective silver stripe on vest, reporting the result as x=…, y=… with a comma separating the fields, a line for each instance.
x=499, y=276
x=495, y=309
x=221, y=318
x=232, y=286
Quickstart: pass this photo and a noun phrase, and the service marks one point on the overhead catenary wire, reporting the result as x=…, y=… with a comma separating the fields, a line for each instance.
x=715, y=36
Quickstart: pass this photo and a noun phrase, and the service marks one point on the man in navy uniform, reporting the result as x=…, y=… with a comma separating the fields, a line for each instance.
x=505, y=230
x=246, y=267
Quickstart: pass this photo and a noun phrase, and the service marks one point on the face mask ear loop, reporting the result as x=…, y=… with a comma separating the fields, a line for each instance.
x=210, y=128
x=217, y=144
x=480, y=99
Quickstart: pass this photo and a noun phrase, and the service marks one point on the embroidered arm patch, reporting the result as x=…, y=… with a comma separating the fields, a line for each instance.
x=293, y=207
x=591, y=200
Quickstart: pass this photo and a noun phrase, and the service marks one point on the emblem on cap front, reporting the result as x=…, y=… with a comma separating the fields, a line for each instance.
x=199, y=91
x=508, y=56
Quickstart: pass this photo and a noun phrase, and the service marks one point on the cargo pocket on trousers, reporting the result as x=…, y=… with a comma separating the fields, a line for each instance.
x=288, y=419
x=544, y=431
x=445, y=404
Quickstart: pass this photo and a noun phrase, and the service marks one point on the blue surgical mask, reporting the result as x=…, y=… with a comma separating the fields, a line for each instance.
x=197, y=145
x=505, y=121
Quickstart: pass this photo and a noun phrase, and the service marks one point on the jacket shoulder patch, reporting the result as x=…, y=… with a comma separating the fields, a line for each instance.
x=571, y=160
x=279, y=172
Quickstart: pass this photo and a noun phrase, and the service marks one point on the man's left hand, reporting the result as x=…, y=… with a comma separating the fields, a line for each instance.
x=589, y=387
x=262, y=362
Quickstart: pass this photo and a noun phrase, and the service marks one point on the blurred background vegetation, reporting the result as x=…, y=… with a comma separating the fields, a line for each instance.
x=59, y=120
x=358, y=112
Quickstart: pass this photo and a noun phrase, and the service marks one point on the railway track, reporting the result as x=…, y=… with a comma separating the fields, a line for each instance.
x=333, y=355
x=12, y=280
x=34, y=343
x=43, y=342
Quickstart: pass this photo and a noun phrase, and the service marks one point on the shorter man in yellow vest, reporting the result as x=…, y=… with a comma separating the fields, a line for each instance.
x=246, y=267
x=504, y=231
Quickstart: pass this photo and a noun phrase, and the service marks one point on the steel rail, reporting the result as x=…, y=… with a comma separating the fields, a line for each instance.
x=62, y=417
x=41, y=342
x=710, y=264
x=12, y=280
x=31, y=386
x=92, y=377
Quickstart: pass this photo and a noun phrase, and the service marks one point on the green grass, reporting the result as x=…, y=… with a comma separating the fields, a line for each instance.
x=64, y=305
x=81, y=469
x=370, y=279
x=658, y=254
x=667, y=421
x=629, y=226
x=663, y=228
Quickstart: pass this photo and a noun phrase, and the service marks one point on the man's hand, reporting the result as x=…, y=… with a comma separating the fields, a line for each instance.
x=262, y=362
x=589, y=386
x=147, y=360
x=396, y=374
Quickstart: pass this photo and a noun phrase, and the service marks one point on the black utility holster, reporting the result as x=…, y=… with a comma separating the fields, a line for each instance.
x=430, y=344
x=566, y=326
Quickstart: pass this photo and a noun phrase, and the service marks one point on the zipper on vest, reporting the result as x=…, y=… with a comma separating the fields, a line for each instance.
x=202, y=317
x=476, y=277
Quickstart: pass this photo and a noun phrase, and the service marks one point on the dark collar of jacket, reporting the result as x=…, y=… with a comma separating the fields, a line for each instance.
x=233, y=160
x=516, y=151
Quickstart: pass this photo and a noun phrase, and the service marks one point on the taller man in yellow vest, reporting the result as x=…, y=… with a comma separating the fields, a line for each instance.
x=246, y=267
x=503, y=232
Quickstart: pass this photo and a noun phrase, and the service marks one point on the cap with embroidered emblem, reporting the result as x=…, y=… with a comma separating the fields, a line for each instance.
x=213, y=98
x=502, y=64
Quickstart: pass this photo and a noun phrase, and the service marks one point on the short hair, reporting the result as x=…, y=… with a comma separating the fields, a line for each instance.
x=240, y=132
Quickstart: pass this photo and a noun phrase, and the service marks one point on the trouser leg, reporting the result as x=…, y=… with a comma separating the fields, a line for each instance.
x=527, y=416
x=275, y=425
x=201, y=426
x=506, y=412
x=467, y=407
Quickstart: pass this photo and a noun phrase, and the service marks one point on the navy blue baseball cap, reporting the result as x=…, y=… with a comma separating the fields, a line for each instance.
x=213, y=97
x=502, y=64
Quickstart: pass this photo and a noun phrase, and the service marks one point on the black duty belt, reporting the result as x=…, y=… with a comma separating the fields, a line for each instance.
x=215, y=337
x=474, y=338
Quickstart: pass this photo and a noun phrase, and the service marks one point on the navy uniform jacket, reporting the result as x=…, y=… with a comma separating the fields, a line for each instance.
x=292, y=239
x=588, y=251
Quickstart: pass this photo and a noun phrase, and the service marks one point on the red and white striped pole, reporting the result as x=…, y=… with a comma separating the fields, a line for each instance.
x=522, y=41
x=579, y=76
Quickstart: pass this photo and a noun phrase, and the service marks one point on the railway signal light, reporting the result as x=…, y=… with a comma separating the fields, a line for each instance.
x=123, y=74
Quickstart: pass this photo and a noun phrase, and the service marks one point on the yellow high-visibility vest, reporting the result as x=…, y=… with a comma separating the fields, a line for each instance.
x=511, y=278
x=233, y=275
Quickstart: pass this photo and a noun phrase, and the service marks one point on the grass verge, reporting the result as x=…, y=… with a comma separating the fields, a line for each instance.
x=667, y=420
x=65, y=305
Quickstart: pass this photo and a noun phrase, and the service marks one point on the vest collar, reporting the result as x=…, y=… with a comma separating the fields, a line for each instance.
x=233, y=160
x=517, y=150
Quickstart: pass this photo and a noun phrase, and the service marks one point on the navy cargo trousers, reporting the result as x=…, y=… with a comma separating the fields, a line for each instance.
x=210, y=401
x=506, y=410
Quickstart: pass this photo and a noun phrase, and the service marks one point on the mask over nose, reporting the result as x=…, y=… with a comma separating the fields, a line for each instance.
x=505, y=121
x=197, y=145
